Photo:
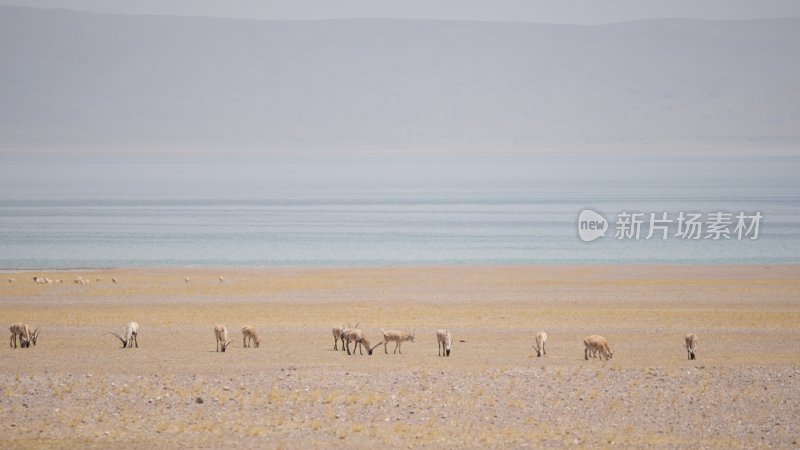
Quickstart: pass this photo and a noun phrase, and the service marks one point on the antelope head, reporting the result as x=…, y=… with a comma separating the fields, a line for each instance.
x=35, y=336
x=121, y=339
x=370, y=349
x=225, y=345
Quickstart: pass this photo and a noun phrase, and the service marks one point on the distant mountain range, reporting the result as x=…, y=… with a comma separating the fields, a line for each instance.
x=73, y=82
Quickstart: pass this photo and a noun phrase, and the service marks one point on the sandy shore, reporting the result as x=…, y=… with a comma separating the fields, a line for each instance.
x=77, y=388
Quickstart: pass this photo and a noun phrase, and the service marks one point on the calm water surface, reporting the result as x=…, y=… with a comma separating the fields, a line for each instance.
x=91, y=214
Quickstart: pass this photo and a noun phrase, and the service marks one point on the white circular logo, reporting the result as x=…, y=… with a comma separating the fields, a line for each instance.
x=591, y=225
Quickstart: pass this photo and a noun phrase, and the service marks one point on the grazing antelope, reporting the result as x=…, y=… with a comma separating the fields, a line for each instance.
x=222, y=337
x=398, y=337
x=541, y=339
x=114, y=280
x=339, y=334
x=357, y=336
x=131, y=335
x=23, y=331
x=249, y=334
x=595, y=344
x=691, y=345
x=11, y=280
x=41, y=280
x=445, y=341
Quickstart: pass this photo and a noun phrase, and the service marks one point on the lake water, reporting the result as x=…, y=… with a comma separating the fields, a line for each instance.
x=374, y=212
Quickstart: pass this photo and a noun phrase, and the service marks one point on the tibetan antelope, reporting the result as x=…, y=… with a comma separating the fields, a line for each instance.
x=249, y=334
x=691, y=345
x=595, y=344
x=398, y=337
x=222, y=337
x=357, y=336
x=21, y=330
x=445, y=341
x=131, y=335
x=541, y=339
x=339, y=335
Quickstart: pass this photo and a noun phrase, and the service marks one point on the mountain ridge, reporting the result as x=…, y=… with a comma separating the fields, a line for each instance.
x=84, y=81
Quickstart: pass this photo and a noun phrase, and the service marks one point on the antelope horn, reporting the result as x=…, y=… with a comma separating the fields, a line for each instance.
x=357, y=325
x=118, y=336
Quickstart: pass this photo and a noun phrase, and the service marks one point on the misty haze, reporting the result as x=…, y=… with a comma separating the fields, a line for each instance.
x=132, y=85
x=585, y=235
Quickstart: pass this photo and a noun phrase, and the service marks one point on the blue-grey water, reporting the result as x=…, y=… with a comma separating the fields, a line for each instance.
x=369, y=212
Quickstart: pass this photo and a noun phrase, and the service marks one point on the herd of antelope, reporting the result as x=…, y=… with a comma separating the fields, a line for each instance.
x=595, y=346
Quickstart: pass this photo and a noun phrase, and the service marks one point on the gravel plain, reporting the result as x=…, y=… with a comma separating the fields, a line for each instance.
x=78, y=389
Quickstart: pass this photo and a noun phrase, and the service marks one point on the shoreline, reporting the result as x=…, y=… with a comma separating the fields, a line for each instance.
x=394, y=266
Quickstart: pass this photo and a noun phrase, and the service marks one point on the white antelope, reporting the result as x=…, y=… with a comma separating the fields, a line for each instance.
x=249, y=334
x=445, y=341
x=595, y=344
x=357, y=336
x=541, y=339
x=691, y=345
x=114, y=280
x=131, y=335
x=23, y=331
x=41, y=280
x=398, y=337
x=339, y=335
x=11, y=280
x=222, y=337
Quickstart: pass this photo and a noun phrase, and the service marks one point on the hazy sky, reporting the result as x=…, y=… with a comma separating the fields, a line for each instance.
x=548, y=11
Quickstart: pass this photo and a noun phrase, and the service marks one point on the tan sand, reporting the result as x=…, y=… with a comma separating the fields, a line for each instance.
x=78, y=388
